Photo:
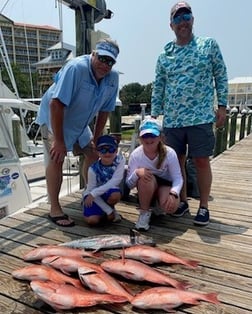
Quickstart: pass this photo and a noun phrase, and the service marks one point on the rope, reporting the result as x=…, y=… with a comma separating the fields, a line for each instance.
x=4, y=6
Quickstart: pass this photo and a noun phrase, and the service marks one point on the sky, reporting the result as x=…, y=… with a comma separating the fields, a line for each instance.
x=141, y=28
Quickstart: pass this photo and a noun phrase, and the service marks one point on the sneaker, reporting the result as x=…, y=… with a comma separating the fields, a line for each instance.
x=202, y=217
x=118, y=217
x=182, y=209
x=143, y=220
x=156, y=211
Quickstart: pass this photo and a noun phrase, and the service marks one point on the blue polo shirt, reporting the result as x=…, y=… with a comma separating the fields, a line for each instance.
x=77, y=88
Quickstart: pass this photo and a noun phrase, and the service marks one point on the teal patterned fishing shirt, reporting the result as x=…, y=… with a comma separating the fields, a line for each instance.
x=185, y=83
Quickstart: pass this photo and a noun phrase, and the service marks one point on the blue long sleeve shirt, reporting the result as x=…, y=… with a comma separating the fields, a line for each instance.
x=187, y=78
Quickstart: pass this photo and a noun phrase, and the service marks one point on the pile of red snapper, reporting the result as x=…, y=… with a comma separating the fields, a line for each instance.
x=53, y=282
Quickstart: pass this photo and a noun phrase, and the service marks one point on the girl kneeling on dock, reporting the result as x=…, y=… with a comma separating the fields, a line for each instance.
x=154, y=170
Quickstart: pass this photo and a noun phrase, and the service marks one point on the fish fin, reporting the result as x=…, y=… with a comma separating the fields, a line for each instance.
x=94, y=254
x=65, y=272
x=123, y=284
x=146, y=261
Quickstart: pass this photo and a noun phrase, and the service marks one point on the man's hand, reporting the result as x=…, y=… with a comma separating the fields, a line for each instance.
x=221, y=117
x=58, y=152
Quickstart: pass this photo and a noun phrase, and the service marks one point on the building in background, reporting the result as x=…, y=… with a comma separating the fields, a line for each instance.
x=240, y=93
x=27, y=44
x=57, y=56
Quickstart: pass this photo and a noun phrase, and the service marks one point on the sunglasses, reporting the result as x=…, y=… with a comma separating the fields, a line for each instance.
x=183, y=17
x=107, y=60
x=104, y=150
x=148, y=135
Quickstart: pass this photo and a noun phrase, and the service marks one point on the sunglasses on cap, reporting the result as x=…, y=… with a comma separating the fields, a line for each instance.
x=107, y=60
x=180, y=18
x=148, y=135
x=103, y=150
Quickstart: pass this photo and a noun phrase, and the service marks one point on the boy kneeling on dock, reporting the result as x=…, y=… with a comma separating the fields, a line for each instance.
x=104, y=178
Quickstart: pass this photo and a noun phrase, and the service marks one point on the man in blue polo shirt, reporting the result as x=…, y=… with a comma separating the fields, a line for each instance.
x=85, y=88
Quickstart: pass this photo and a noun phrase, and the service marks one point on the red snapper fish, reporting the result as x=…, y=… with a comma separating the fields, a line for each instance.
x=69, y=264
x=151, y=255
x=43, y=272
x=103, y=283
x=64, y=297
x=167, y=299
x=49, y=250
x=139, y=271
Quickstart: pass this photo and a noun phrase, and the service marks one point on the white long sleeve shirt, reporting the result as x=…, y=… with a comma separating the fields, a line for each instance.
x=169, y=170
x=97, y=190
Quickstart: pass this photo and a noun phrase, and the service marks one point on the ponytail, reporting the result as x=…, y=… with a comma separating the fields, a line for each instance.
x=162, y=151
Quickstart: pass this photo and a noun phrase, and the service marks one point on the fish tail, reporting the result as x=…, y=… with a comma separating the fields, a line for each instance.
x=182, y=285
x=192, y=264
x=212, y=298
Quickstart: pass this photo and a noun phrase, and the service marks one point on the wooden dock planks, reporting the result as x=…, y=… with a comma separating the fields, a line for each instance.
x=224, y=248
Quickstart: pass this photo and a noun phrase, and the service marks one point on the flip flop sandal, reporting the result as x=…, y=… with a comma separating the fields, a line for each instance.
x=57, y=220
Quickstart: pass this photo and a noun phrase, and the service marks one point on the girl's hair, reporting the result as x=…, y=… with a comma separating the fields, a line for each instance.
x=162, y=151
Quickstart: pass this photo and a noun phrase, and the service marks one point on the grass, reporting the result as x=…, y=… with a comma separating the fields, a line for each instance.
x=127, y=135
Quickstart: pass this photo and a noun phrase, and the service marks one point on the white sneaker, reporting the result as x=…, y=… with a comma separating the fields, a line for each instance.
x=118, y=217
x=143, y=220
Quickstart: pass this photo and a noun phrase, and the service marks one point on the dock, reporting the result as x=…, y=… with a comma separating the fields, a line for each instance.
x=223, y=248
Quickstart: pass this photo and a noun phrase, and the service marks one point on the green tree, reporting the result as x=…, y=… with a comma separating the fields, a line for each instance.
x=145, y=96
x=22, y=81
x=134, y=93
x=130, y=93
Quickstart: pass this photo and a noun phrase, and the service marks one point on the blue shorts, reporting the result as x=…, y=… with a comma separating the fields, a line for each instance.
x=195, y=141
x=95, y=209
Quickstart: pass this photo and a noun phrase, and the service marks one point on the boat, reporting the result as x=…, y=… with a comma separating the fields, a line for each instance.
x=14, y=188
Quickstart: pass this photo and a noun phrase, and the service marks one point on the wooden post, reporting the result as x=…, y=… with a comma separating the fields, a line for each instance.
x=233, y=122
x=243, y=123
x=143, y=107
x=225, y=133
x=115, y=121
x=249, y=122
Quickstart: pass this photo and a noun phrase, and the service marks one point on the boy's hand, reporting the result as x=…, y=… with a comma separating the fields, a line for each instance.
x=89, y=200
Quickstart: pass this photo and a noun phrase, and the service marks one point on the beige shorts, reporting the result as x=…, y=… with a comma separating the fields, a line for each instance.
x=48, y=138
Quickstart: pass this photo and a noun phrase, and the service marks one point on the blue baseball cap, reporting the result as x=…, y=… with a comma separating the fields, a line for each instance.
x=150, y=126
x=106, y=140
x=107, y=49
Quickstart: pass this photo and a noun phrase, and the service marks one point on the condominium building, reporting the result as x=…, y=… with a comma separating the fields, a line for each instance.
x=26, y=44
x=240, y=92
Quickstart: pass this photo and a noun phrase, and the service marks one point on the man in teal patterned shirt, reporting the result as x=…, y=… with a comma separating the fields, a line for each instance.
x=188, y=73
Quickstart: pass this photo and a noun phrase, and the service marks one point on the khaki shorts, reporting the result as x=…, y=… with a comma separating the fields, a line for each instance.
x=48, y=138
